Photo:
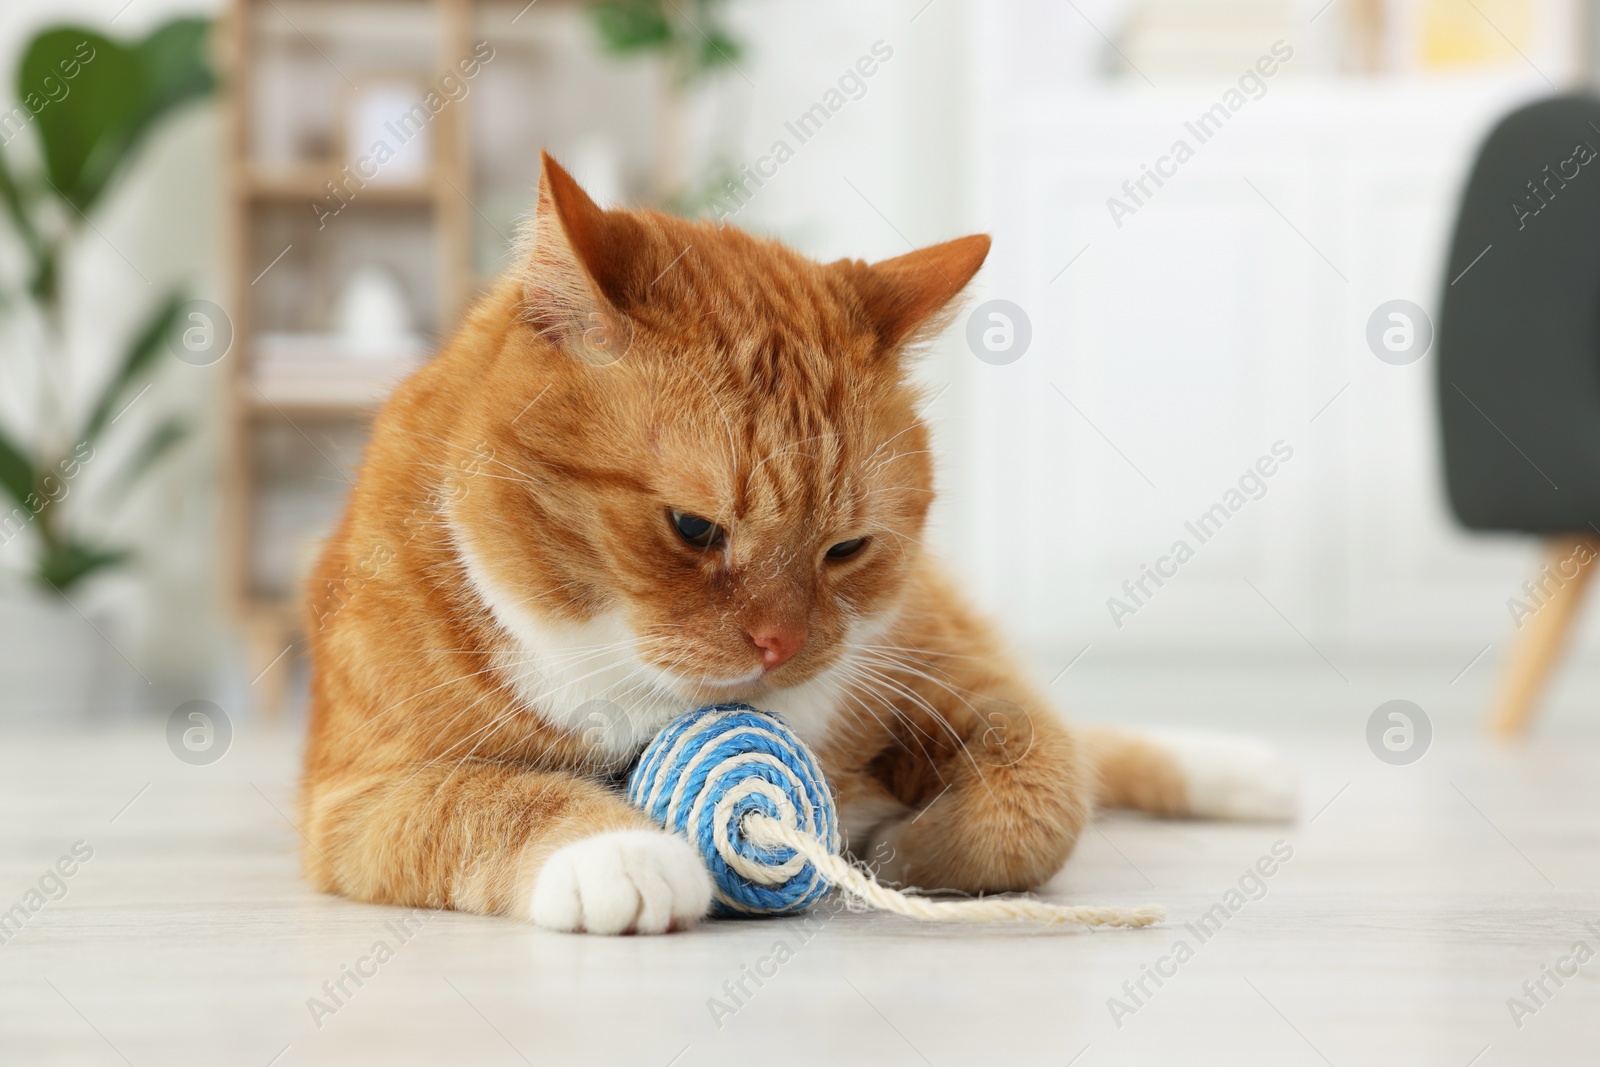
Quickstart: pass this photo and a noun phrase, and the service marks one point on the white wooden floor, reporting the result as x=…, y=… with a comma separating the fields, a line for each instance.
x=1418, y=900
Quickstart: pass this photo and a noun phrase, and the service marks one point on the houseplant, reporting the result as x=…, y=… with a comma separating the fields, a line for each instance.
x=85, y=106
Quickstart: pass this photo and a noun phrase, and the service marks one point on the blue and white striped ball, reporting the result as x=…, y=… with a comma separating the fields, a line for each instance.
x=704, y=772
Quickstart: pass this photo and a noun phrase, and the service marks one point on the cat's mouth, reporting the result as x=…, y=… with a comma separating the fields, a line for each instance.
x=708, y=688
x=758, y=682
x=718, y=688
x=739, y=682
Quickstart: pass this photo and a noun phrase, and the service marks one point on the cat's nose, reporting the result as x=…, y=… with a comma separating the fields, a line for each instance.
x=778, y=644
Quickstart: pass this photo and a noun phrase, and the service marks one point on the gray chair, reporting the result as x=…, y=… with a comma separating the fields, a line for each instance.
x=1519, y=368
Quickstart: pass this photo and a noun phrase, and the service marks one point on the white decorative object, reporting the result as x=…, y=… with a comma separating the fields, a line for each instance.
x=372, y=318
x=387, y=138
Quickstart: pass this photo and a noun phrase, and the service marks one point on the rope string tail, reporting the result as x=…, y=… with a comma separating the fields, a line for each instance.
x=765, y=832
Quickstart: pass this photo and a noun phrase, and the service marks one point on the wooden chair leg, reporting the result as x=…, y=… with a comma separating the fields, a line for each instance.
x=1569, y=563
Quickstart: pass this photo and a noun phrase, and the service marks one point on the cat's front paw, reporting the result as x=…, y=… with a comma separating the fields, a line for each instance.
x=625, y=881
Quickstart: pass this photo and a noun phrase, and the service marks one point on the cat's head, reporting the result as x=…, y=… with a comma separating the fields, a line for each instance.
x=705, y=445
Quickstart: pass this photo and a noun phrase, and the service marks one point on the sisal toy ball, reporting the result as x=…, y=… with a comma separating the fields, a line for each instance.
x=708, y=772
x=750, y=795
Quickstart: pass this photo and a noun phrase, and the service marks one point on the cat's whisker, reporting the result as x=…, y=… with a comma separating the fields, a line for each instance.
x=494, y=727
x=485, y=474
x=897, y=488
x=791, y=450
x=915, y=669
x=882, y=463
x=480, y=650
x=888, y=692
x=406, y=700
x=925, y=705
x=916, y=652
x=531, y=479
x=438, y=758
x=733, y=441
x=914, y=424
x=913, y=664
x=554, y=589
x=849, y=694
x=533, y=702
x=955, y=691
x=870, y=691
x=563, y=665
x=897, y=533
x=496, y=656
x=626, y=644
x=636, y=669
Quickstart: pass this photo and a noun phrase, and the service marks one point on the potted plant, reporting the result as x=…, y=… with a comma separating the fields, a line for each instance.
x=87, y=103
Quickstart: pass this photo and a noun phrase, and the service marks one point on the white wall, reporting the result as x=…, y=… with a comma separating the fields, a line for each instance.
x=1219, y=319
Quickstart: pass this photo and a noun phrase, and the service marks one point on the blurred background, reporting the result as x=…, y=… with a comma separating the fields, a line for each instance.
x=230, y=228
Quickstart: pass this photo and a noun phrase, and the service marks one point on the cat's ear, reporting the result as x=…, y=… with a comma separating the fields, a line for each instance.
x=910, y=298
x=576, y=267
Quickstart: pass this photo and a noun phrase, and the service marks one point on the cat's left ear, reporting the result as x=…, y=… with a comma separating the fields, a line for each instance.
x=578, y=267
x=911, y=297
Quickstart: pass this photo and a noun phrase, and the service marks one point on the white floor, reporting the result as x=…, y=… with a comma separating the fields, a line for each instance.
x=1418, y=900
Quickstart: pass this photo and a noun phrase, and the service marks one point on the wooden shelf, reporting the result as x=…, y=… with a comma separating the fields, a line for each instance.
x=295, y=21
x=260, y=405
x=321, y=393
x=319, y=372
x=311, y=183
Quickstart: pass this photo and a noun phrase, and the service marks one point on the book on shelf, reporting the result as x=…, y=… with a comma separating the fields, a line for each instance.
x=316, y=369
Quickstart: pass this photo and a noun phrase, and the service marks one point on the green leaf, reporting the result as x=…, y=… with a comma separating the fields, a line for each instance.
x=94, y=99
x=16, y=473
x=631, y=25
x=65, y=565
x=176, y=65
x=692, y=44
x=87, y=94
x=146, y=346
x=717, y=50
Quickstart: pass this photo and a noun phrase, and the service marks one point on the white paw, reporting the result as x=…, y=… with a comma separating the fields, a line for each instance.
x=638, y=881
x=1232, y=777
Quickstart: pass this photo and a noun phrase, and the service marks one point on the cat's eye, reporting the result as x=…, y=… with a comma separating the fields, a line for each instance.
x=701, y=533
x=846, y=549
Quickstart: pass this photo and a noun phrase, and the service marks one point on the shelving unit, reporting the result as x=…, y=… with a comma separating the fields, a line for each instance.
x=301, y=399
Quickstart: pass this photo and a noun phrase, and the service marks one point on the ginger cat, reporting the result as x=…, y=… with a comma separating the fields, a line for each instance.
x=661, y=465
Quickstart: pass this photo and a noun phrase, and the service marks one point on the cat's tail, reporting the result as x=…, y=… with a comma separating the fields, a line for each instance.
x=1190, y=773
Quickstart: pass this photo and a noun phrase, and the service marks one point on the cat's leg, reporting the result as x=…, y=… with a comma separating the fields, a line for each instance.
x=566, y=852
x=992, y=796
x=984, y=788
x=1193, y=774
